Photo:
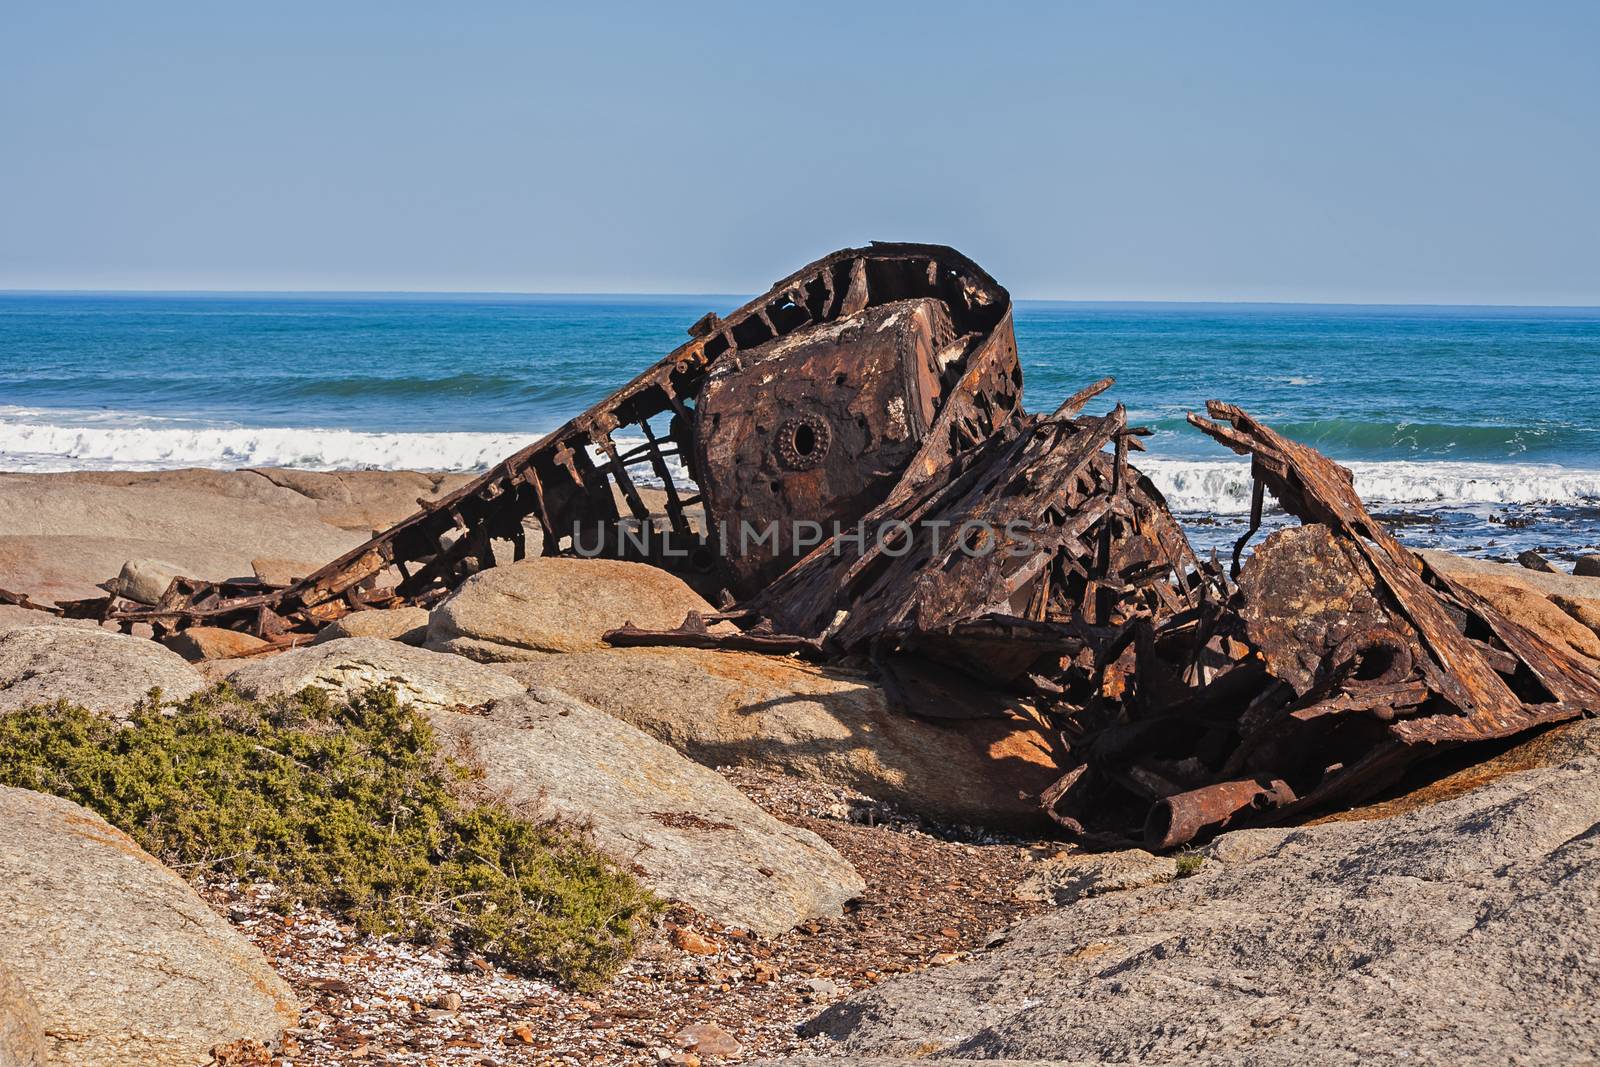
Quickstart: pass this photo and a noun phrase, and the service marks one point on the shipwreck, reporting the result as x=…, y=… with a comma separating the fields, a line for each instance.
x=874, y=396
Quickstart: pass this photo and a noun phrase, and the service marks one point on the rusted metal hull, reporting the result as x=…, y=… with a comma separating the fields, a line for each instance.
x=1338, y=661
x=985, y=560
x=568, y=484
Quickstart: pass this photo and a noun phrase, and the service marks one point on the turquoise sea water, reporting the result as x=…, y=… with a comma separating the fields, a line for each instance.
x=1458, y=417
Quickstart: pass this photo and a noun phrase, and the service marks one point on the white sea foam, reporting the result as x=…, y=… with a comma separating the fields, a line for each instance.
x=50, y=441
x=32, y=441
x=1223, y=486
x=50, y=446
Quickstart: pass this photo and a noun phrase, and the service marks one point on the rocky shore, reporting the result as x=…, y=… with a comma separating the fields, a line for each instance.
x=840, y=882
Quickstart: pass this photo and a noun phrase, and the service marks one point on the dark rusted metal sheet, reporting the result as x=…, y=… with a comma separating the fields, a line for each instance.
x=815, y=427
x=1307, y=599
x=1180, y=818
x=20, y=600
x=569, y=483
x=1547, y=685
x=1337, y=661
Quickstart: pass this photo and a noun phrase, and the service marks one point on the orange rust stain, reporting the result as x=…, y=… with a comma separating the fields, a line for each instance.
x=1542, y=750
x=1093, y=950
x=102, y=833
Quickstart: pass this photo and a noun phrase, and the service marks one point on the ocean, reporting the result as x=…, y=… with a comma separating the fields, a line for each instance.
x=1475, y=429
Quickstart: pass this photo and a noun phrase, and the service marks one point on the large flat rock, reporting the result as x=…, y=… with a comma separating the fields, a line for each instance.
x=60, y=535
x=123, y=963
x=1547, y=582
x=406, y=624
x=748, y=710
x=347, y=666
x=105, y=672
x=1565, y=608
x=362, y=501
x=13, y=618
x=551, y=604
x=1465, y=932
x=687, y=833
x=358, y=501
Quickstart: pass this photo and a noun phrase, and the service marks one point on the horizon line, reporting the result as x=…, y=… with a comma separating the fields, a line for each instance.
x=674, y=294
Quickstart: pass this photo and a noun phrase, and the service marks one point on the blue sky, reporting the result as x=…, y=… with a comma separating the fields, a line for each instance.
x=1358, y=152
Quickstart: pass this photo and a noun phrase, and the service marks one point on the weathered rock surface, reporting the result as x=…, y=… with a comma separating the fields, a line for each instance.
x=123, y=962
x=63, y=534
x=276, y=571
x=13, y=617
x=688, y=833
x=349, y=665
x=707, y=1039
x=22, y=1041
x=145, y=580
x=1587, y=566
x=547, y=604
x=1466, y=932
x=1583, y=588
x=362, y=501
x=1575, y=595
x=211, y=642
x=1535, y=562
x=1536, y=611
x=406, y=625
x=1586, y=612
x=742, y=709
x=105, y=672
x=1070, y=877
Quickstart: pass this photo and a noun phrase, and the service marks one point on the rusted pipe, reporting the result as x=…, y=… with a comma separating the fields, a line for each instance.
x=1372, y=658
x=1182, y=817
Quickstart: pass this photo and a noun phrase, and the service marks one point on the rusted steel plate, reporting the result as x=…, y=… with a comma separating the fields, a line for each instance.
x=1478, y=700
x=1337, y=662
x=1315, y=489
x=816, y=427
x=20, y=600
x=1308, y=602
x=570, y=480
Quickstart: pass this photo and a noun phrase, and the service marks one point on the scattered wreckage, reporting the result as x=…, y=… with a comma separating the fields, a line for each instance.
x=874, y=396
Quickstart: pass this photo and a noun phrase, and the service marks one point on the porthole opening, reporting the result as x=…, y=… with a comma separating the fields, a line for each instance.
x=805, y=440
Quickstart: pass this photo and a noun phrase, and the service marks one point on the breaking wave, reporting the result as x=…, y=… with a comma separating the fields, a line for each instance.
x=45, y=446
x=119, y=442
x=44, y=441
x=1381, y=440
x=1223, y=486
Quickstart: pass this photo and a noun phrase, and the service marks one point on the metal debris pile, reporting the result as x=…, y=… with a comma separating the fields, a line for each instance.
x=876, y=394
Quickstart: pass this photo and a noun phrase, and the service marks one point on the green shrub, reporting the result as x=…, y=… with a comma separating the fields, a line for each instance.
x=349, y=806
x=1190, y=863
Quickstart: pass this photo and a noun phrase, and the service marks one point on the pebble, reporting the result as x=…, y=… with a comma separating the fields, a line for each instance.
x=825, y=988
x=692, y=942
x=708, y=1039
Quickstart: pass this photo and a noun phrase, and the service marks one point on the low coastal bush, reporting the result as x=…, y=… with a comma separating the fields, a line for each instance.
x=346, y=805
